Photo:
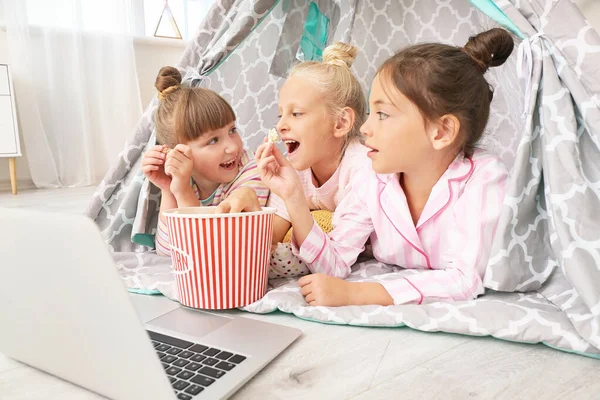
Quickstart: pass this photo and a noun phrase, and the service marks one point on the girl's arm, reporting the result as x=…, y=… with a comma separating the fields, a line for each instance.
x=280, y=225
x=282, y=179
x=254, y=182
x=280, y=229
x=243, y=199
x=280, y=176
x=187, y=198
x=323, y=290
x=300, y=216
x=332, y=254
x=248, y=192
x=179, y=166
x=281, y=220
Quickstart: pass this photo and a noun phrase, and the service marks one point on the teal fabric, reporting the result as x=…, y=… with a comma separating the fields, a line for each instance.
x=489, y=8
x=314, y=37
x=208, y=201
x=145, y=291
x=145, y=239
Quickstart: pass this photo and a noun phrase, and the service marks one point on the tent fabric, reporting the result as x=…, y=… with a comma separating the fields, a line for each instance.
x=544, y=274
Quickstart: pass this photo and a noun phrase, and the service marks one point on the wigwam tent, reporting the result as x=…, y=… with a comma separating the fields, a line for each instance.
x=544, y=275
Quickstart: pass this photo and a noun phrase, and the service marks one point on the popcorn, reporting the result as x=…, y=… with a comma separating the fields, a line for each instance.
x=273, y=135
x=166, y=150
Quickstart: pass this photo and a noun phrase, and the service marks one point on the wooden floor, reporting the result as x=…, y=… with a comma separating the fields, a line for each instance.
x=341, y=362
x=72, y=200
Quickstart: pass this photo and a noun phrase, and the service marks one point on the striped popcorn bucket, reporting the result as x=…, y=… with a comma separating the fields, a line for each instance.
x=220, y=261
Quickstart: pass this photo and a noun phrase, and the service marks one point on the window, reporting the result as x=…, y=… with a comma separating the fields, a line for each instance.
x=107, y=16
x=187, y=14
x=139, y=17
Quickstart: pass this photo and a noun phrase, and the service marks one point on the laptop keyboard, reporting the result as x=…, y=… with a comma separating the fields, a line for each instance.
x=191, y=366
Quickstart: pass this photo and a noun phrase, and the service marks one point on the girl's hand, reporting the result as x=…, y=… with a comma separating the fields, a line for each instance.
x=276, y=171
x=325, y=290
x=242, y=199
x=153, y=167
x=178, y=166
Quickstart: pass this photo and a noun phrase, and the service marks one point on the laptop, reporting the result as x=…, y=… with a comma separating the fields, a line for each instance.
x=65, y=310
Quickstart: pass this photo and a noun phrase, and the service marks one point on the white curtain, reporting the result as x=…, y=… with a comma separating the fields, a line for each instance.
x=73, y=66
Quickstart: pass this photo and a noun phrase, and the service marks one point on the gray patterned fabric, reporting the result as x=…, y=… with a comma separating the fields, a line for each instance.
x=550, y=241
x=544, y=273
x=125, y=204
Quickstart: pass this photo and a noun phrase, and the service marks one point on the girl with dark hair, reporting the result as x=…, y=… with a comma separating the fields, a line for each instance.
x=432, y=200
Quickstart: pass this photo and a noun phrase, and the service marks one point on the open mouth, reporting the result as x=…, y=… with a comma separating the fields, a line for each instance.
x=229, y=164
x=371, y=150
x=292, y=146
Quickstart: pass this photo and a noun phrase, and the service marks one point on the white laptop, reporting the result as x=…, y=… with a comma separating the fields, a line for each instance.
x=64, y=310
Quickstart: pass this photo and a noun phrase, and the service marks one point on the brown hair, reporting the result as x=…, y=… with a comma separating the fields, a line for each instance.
x=184, y=114
x=441, y=79
x=336, y=81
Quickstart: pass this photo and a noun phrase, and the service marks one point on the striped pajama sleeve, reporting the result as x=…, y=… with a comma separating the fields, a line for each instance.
x=162, y=240
x=334, y=254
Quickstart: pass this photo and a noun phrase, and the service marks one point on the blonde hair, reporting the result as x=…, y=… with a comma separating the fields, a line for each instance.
x=336, y=81
x=184, y=114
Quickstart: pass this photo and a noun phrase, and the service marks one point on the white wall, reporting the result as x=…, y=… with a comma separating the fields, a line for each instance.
x=23, y=174
x=150, y=55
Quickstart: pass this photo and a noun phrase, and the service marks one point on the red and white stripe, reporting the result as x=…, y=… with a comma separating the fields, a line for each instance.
x=220, y=262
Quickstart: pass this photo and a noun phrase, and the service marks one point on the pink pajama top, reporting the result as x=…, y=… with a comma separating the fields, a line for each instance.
x=450, y=244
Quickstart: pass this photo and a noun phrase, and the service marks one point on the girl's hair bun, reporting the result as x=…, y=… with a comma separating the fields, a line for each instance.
x=490, y=48
x=167, y=77
x=340, y=54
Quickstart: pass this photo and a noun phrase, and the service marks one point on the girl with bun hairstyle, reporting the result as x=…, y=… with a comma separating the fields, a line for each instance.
x=200, y=159
x=321, y=108
x=432, y=199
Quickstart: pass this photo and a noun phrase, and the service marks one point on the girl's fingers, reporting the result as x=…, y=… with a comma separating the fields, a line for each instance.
x=184, y=150
x=149, y=168
x=255, y=205
x=152, y=156
x=181, y=161
x=310, y=298
x=265, y=162
x=306, y=290
x=155, y=154
x=175, y=160
x=269, y=149
x=259, y=152
x=305, y=280
x=261, y=164
x=170, y=170
x=279, y=156
x=223, y=208
x=246, y=204
x=152, y=161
